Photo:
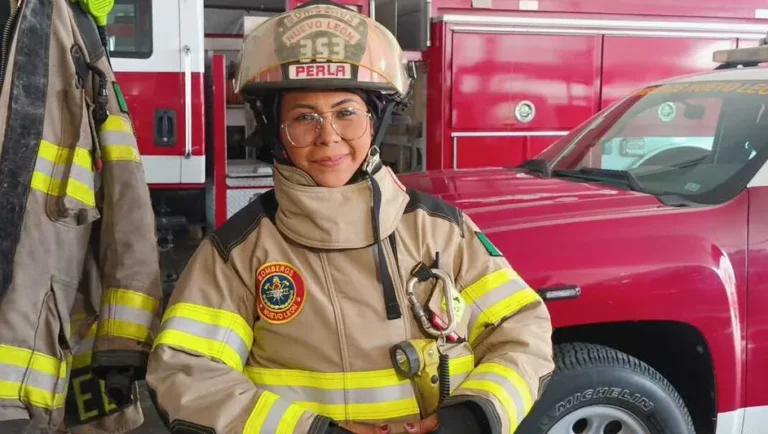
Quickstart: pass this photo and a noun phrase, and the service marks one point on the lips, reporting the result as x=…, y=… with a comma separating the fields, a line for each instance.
x=331, y=161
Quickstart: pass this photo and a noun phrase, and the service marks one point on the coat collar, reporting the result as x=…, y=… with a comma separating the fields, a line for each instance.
x=335, y=218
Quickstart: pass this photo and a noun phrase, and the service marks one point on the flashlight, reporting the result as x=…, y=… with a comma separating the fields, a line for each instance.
x=418, y=360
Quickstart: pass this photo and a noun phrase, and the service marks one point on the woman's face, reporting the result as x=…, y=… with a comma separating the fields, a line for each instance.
x=331, y=149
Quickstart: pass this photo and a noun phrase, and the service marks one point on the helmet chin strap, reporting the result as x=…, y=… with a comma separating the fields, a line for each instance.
x=372, y=162
x=371, y=165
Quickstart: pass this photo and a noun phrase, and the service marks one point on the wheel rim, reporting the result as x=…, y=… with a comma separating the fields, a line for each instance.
x=599, y=419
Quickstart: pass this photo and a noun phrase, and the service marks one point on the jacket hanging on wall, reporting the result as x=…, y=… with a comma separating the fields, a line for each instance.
x=80, y=284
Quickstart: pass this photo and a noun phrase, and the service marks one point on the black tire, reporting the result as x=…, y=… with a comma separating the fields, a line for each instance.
x=588, y=375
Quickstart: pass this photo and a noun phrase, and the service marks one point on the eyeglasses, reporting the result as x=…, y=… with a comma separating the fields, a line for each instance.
x=349, y=123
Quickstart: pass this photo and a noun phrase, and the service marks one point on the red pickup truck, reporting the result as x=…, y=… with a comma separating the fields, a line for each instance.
x=646, y=230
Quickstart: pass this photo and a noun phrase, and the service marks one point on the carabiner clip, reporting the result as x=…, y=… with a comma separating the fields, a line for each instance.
x=421, y=314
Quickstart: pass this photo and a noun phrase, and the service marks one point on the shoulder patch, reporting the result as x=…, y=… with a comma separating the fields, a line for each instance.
x=120, y=98
x=492, y=250
x=235, y=230
x=434, y=207
x=280, y=292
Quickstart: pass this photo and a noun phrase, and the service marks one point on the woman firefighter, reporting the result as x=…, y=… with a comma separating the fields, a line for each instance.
x=341, y=301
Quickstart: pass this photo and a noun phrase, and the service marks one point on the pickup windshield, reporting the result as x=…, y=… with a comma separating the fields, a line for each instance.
x=701, y=141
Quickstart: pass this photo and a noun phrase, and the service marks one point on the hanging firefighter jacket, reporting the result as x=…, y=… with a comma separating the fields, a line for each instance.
x=80, y=285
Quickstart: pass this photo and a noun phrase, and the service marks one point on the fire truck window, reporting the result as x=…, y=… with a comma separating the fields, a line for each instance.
x=665, y=132
x=702, y=140
x=129, y=29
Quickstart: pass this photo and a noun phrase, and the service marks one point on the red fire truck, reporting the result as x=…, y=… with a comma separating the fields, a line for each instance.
x=665, y=287
x=643, y=230
x=499, y=80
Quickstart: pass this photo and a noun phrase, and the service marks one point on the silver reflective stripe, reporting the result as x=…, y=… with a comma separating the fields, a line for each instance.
x=84, y=346
x=494, y=296
x=275, y=415
x=40, y=380
x=81, y=174
x=210, y=331
x=457, y=379
x=508, y=386
x=127, y=314
x=117, y=138
x=371, y=395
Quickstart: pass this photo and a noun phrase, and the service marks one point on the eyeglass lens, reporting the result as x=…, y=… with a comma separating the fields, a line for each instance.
x=350, y=124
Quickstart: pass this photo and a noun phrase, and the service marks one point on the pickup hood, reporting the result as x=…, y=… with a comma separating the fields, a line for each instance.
x=625, y=250
x=508, y=199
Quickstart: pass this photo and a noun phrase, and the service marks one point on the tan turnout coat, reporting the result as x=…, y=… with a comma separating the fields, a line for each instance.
x=278, y=322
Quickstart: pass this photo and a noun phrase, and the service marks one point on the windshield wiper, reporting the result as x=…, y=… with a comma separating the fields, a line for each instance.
x=621, y=177
x=537, y=165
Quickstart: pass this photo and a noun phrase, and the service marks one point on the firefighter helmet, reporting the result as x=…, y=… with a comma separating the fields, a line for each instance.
x=322, y=45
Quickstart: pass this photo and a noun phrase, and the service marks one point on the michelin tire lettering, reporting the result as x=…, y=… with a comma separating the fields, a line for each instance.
x=604, y=392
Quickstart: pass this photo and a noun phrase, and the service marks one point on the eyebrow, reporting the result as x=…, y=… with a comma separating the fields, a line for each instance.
x=344, y=101
x=311, y=107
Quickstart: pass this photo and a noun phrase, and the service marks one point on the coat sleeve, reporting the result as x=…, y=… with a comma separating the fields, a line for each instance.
x=195, y=369
x=127, y=244
x=509, y=331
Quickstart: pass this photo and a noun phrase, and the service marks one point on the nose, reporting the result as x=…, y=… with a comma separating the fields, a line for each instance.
x=327, y=134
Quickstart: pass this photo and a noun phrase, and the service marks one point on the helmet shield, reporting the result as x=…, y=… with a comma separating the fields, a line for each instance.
x=321, y=47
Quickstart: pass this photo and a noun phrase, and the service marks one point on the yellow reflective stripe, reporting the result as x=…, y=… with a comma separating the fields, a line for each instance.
x=120, y=153
x=487, y=284
x=374, y=411
x=127, y=313
x=123, y=329
x=23, y=358
x=273, y=415
x=499, y=393
x=212, y=348
x=59, y=155
x=341, y=381
x=510, y=305
x=255, y=421
x=44, y=377
x=116, y=124
x=461, y=365
x=54, y=187
x=129, y=298
x=33, y=395
x=324, y=380
x=290, y=420
x=212, y=316
x=81, y=192
x=216, y=333
x=49, y=156
x=502, y=309
x=363, y=395
x=521, y=387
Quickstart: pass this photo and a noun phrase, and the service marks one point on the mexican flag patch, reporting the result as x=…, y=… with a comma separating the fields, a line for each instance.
x=492, y=250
